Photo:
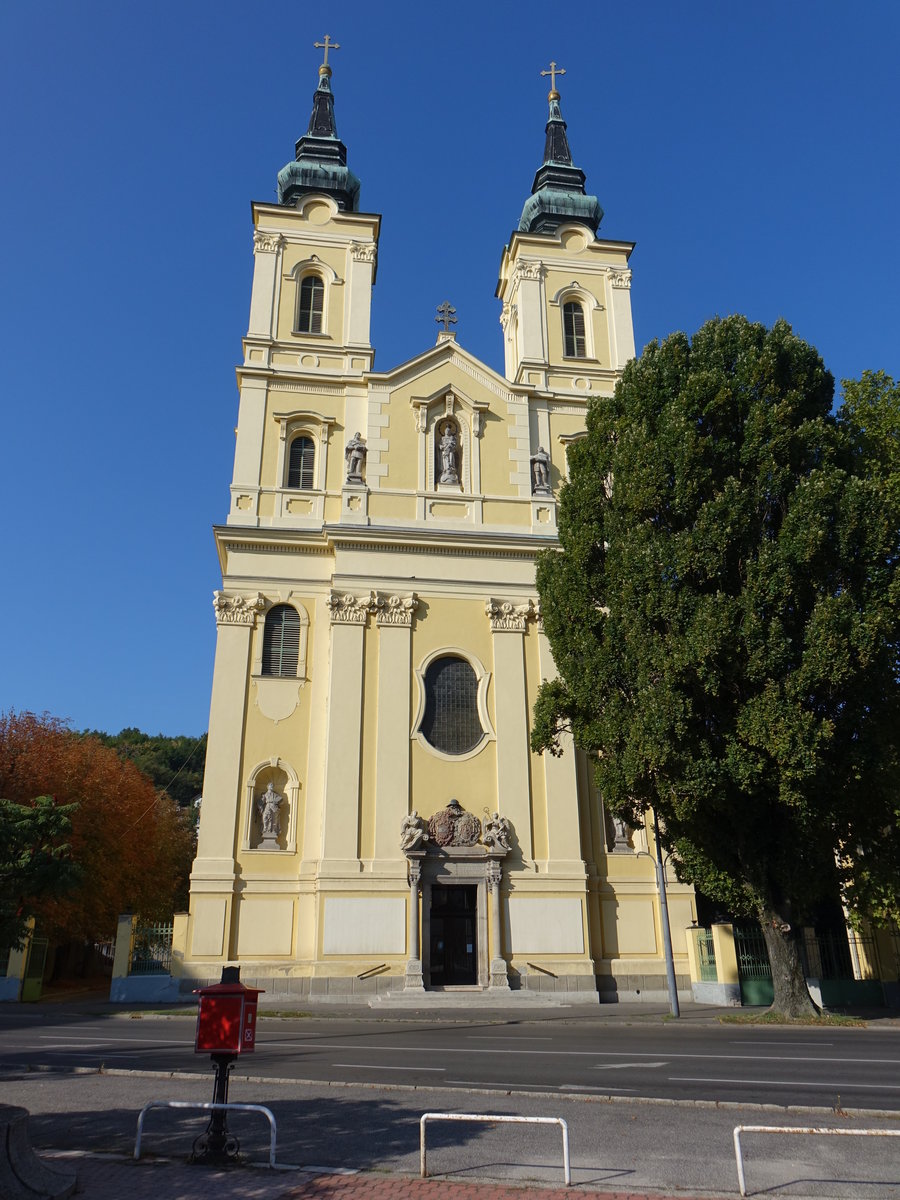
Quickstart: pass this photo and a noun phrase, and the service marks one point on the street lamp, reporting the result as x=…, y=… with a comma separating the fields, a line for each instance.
x=660, y=864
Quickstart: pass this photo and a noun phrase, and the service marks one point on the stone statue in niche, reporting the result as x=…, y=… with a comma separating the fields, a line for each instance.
x=412, y=832
x=453, y=826
x=449, y=448
x=620, y=841
x=496, y=833
x=267, y=805
x=540, y=473
x=355, y=453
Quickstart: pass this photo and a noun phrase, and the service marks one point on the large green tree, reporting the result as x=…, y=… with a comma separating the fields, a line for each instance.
x=722, y=613
x=175, y=764
x=35, y=861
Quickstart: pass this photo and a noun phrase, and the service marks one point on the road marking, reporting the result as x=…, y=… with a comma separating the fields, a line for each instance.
x=744, y=1043
x=78, y=1037
x=584, y=1087
x=478, y=1037
x=622, y=1066
x=369, y=1067
x=615, y=1054
x=840, y=1085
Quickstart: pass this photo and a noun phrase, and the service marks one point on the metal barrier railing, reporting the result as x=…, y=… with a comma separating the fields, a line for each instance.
x=739, y=1129
x=151, y=949
x=260, y=1108
x=486, y=1118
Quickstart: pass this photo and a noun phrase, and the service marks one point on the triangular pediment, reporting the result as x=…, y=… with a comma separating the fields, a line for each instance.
x=449, y=365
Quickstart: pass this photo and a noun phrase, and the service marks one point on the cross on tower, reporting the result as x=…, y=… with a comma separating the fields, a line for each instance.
x=327, y=45
x=553, y=72
x=446, y=315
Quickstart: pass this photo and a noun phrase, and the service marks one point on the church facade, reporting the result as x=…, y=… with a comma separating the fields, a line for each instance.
x=373, y=820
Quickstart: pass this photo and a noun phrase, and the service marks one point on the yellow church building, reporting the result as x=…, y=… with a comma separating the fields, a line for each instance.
x=373, y=820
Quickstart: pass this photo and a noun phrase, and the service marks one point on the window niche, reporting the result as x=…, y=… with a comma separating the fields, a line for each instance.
x=279, y=659
x=272, y=799
x=301, y=464
x=309, y=317
x=574, y=335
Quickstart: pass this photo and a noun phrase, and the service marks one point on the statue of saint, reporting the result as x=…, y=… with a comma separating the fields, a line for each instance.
x=267, y=806
x=355, y=453
x=412, y=832
x=540, y=473
x=449, y=447
x=496, y=832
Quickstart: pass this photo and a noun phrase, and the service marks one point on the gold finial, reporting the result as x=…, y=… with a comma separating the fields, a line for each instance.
x=553, y=72
x=327, y=45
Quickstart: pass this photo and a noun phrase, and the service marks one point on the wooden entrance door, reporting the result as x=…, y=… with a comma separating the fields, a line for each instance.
x=454, y=944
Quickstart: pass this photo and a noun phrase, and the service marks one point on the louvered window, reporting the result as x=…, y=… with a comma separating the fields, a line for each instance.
x=301, y=462
x=573, y=330
x=451, y=723
x=311, y=303
x=281, y=641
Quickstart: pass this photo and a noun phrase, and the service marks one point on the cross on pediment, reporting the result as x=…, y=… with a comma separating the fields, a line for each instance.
x=446, y=315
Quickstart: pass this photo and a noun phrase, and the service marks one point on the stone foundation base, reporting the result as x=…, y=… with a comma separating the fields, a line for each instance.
x=725, y=995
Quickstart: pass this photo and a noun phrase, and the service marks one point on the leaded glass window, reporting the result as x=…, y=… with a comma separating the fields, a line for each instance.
x=451, y=723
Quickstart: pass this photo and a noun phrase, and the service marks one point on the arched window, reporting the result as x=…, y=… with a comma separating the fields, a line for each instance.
x=451, y=722
x=310, y=304
x=301, y=463
x=574, y=345
x=281, y=641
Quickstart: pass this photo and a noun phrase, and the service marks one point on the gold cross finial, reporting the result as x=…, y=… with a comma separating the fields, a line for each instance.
x=327, y=45
x=553, y=72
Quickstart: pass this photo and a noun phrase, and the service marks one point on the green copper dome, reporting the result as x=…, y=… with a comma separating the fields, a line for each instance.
x=557, y=194
x=320, y=163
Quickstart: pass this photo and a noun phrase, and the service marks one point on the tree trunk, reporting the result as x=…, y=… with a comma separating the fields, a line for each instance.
x=792, y=998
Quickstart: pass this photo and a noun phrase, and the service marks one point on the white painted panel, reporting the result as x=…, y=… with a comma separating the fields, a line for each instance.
x=365, y=926
x=265, y=927
x=546, y=926
x=209, y=926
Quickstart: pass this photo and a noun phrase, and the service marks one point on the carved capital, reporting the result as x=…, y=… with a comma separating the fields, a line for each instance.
x=493, y=873
x=414, y=871
x=528, y=270
x=620, y=279
x=267, y=243
x=506, y=617
x=347, y=609
x=396, y=610
x=237, y=610
x=363, y=251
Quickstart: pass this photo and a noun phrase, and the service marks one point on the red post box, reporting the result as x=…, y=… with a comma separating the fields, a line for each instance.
x=226, y=1020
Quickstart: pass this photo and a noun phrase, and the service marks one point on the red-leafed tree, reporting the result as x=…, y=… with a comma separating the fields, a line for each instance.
x=131, y=843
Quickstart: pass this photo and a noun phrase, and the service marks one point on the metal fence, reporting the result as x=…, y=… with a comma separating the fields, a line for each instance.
x=151, y=949
x=842, y=955
x=706, y=956
x=5, y=952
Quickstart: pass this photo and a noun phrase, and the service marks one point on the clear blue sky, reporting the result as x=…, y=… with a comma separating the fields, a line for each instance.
x=751, y=152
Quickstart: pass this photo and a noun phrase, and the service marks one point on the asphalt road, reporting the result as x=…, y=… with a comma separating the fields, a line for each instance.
x=833, y=1068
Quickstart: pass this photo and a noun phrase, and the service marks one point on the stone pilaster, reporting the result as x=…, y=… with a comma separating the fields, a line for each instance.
x=394, y=617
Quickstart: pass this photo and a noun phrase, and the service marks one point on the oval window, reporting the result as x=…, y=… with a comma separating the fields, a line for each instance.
x=451, y=723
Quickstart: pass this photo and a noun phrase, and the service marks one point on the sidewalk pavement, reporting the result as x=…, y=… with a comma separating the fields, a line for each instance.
x=116, y=1179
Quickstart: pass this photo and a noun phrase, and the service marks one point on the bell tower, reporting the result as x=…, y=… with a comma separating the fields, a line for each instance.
x=565, y=291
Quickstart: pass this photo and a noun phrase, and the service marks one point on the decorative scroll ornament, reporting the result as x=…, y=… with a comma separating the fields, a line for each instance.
x=237, y=610
x=506, y=617
x=396, y=610
x=453, y=826
x=506, y=313
x=493, y=875
x=269, y=243
x=620, y=279
x=363, y=251
x=347, y=609
x=413, y=832
x=528, y=270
